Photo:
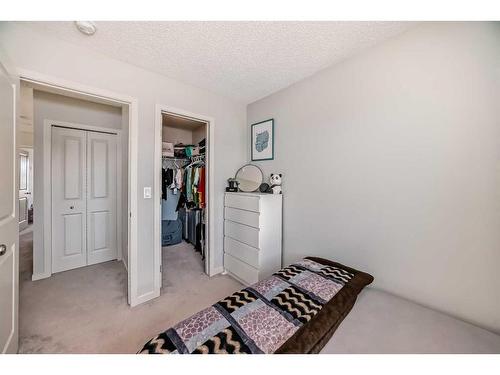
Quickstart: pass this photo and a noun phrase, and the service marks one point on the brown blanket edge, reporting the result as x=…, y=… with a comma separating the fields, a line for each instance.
x=312, y=337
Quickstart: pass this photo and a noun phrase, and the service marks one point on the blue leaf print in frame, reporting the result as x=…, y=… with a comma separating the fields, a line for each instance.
x=262, y=140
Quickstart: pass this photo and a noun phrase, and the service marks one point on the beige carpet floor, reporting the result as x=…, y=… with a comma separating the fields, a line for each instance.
x=381, y=323
x=85, y=311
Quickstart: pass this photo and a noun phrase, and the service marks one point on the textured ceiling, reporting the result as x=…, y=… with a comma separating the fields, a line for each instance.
x=241, y=60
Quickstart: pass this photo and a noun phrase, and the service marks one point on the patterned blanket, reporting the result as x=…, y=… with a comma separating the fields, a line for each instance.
x=261, y=318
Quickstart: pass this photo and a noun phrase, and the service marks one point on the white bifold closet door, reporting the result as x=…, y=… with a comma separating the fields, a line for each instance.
x=101, y=197
x=83, y=198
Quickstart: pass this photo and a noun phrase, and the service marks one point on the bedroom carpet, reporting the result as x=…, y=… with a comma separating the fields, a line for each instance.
x=381, y=323
x=85, y=311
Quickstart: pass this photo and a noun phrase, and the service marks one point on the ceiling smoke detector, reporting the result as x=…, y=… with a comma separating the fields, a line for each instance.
x=86, y=27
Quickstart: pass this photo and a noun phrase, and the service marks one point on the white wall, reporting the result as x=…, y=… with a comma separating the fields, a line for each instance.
x=390, y=163
x=47, y=106
x=74, y=110
x=29, y=50
x=24, y=139
x=25, y=117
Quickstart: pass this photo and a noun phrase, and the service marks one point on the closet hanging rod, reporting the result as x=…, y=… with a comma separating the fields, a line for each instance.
x=171, y=158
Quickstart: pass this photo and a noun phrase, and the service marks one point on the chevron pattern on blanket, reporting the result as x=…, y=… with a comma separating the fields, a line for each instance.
x=336, y=274
x=299, y=305
x=238, y=299
x=288, y=272
x=160, y=344
x=261, y=318
x=226, y=341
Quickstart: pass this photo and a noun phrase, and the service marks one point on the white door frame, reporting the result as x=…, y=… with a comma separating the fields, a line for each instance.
x=29, y=183
x=209, y=259
x=12, y=344
x=47, y=181
x=74, y=88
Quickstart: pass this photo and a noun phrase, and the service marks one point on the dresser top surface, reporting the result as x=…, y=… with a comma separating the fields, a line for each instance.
x=255, y=194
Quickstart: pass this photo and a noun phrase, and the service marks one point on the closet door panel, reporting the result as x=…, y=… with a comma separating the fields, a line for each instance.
x=100, y=168
x=68, y=199
x=73, y=177
x=101, y=197
x=99, y=223
x=73, y=238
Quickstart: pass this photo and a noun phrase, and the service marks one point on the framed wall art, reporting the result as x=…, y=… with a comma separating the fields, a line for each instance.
x=263, y=140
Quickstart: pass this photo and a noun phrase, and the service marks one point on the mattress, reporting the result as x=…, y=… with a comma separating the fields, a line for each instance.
x=296, y=310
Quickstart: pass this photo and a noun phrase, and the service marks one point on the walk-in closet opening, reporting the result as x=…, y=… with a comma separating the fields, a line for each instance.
x=184, y=197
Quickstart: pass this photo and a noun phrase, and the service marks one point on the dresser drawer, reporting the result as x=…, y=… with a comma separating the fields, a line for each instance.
x=243, y=202
x=241, y=251
x=242, y=233
x=241, y=270
x=241, y=216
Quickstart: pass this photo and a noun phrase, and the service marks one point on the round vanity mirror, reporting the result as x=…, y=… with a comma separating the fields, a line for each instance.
x=249, y=178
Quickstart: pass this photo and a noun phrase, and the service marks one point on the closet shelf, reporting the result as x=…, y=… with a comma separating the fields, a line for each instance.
x=192, y=158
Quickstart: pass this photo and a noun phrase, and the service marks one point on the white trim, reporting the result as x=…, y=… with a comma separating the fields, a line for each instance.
x=146, y=297
x=209, y=259
x=47, y=193
x=12, y=343
x=47, y=212
x=40, y=276
x=91, y=128
x=157, y=167
x=66, y=86
x=119, y=195
x=218, y=270
x=74, y=88
x=133, y=198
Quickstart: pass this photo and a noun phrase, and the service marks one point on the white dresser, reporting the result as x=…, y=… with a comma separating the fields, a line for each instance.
x=252, y=235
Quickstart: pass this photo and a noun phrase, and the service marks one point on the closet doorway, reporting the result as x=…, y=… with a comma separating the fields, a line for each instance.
x=184, y=197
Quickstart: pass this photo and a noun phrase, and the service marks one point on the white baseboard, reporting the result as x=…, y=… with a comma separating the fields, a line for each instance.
x=144, y=298
x=40, y=276
x=125, y=264
x=217, y=271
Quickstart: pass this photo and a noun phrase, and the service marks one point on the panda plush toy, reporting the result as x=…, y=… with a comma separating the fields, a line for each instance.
x=275, y=180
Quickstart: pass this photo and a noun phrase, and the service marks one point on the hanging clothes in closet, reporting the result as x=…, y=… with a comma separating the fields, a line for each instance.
x=171, y=191
x=195, y=186
x=184, y=198
x=193, y=211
